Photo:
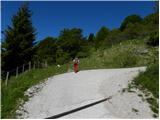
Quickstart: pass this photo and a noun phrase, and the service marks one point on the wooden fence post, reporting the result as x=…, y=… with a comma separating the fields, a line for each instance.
x=42, y=65
x=37, y=64
x=34, y=66
x=7, y=78
x=17, y=72
x=46, y=65
x=29, y=66
x=23, y=68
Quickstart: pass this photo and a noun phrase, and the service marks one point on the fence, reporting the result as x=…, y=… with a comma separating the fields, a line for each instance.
x=20, y=69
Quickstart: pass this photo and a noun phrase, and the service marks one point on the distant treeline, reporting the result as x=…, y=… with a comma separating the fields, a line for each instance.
x=19, y=46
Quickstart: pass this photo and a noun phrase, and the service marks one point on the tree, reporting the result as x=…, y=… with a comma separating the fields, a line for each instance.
x=70, y=41
x=18, y=39
x=90, y=41
x=130, y=19
x=91, y=38
x=151, y=19
x=61, y=56
x=153, y=39
x=100, y=36
x=46, y=50
x=113, y=37
x=133, y=31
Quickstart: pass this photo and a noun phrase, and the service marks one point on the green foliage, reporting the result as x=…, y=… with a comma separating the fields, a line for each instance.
x=151, y=19
x=18, y=41
x=133, y=27
x=153, y=39
x=114, y=37
x=100, y=36
x=125, y=59
x=70, y=41
x=122, y=55
x=61, y=56
x=151, y=26
x=150, y=79
x=91, y=38
x=46, y=50
x=130, y=19
x=85, y=49
x=132, y=31
x=125, y=54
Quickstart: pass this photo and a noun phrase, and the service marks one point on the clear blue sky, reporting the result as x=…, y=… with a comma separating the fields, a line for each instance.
x=49, y=18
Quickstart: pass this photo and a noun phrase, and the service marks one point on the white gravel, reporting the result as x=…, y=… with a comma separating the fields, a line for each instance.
x=67, y=91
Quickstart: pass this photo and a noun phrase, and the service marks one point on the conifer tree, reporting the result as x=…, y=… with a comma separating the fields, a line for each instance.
x=18, y=40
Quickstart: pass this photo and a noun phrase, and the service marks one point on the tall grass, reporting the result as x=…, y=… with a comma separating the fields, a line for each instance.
x=150, y=80
x=14, y=91
x=125, y=54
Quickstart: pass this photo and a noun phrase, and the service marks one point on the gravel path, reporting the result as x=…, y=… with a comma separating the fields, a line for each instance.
x=68, y=91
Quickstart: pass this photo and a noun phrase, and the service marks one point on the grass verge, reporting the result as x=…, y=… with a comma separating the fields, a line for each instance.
x=150, y=80
x=14, y=91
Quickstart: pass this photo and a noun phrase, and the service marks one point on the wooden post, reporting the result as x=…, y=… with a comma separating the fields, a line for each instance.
x=7, y=78
x=42, y=65
x=38, y=64
x=29, y=66
x=34, y=66
x=23, y=68
x=46, y=65
x=17, y=72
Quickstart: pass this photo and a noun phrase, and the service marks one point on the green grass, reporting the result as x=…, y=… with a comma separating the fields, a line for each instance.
x=123, y=55
x=126, y=54
x=154, y=105
x=150, y=80
x=14, y=91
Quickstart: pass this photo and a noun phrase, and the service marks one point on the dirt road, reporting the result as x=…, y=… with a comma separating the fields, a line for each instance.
x=66, y=92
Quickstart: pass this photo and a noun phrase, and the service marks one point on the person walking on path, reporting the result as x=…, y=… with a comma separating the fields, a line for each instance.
x=76, y=63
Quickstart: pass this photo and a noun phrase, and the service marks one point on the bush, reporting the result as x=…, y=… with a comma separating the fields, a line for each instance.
x=123, y=55
x=82, y=54
x=130, y=19
x=63, y=58
x=125, y=59
x=153, y=39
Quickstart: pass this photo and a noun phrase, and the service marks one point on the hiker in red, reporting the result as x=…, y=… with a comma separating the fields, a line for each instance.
x=76, y=62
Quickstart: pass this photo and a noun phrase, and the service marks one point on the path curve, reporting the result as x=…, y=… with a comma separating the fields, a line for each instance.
x=68, y=91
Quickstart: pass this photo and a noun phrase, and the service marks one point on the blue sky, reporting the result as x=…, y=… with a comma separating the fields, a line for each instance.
x=49, y=18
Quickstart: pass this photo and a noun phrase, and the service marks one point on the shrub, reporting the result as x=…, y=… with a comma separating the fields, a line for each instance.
x=63, y=58
x=153, y=39
x=150, y=79
x=125, y=59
